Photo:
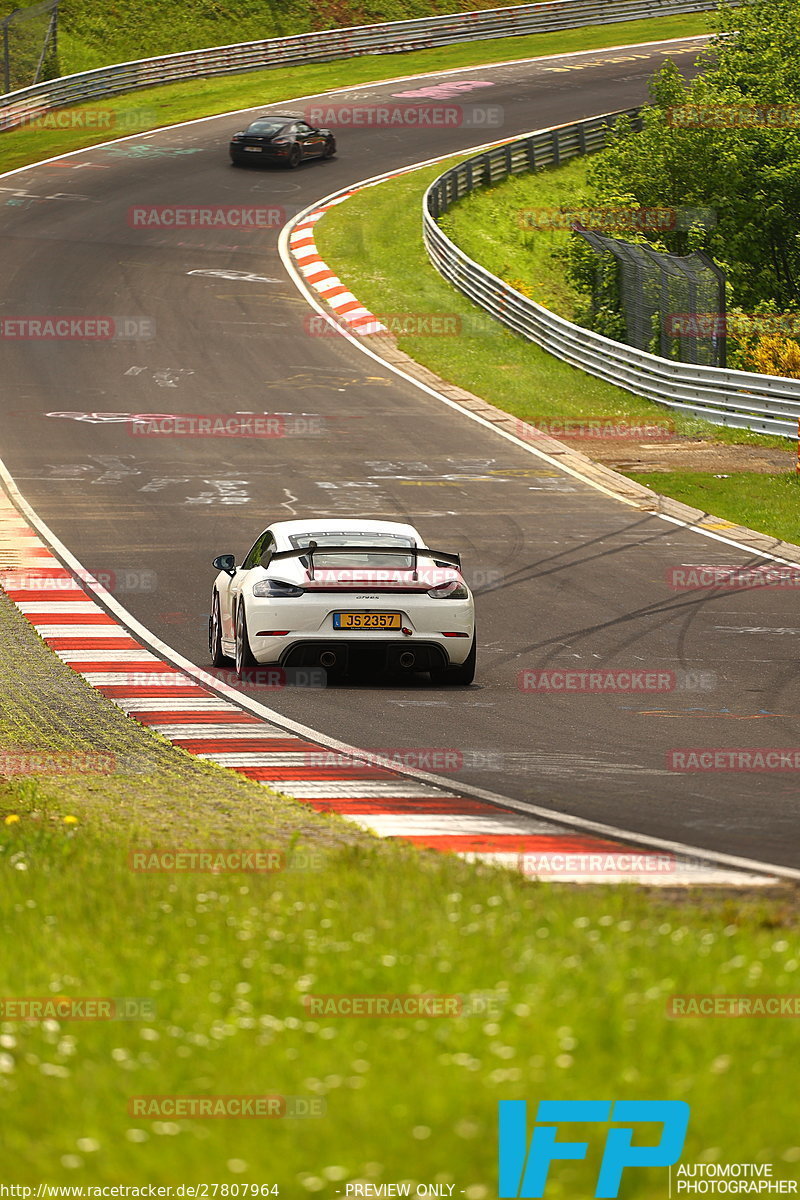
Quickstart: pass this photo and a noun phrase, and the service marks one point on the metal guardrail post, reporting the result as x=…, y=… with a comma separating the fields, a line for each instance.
x=763, y=403
x=325, y=45
x=6, y=56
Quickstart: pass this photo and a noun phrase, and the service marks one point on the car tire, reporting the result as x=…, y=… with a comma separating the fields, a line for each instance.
x=244, y=655
x=295, y=157
x=330, y=149
x=461, y=675
x=218, y=657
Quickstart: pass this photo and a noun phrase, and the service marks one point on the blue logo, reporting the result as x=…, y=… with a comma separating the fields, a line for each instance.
x=524, y=1169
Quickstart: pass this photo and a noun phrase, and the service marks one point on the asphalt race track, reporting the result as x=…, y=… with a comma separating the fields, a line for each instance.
x=565, y=577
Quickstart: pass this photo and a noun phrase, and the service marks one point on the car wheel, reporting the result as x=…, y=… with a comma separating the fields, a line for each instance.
x=461, y=675
x=244, y=655
x=330, y=149
x=218, y=657
x=294, y=157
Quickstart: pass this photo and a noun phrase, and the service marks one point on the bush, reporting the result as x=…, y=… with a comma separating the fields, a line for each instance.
x=774, y=355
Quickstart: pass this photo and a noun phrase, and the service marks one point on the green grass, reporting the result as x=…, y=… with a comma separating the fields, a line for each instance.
x=579, y=981
x=768, y=503
x=152, y=107
x=489, y=226
x=92, y=35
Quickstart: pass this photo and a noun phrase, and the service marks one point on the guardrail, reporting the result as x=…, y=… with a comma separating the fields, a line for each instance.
x=762, y=403
x=393, y=37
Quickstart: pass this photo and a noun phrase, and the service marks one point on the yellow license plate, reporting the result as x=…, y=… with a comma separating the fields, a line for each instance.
x=366, y=620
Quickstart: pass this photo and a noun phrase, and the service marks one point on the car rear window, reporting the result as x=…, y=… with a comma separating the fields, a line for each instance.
x=266, y=127
x=355, y=541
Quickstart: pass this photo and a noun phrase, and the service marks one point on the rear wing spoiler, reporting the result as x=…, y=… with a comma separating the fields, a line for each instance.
x=438, y=556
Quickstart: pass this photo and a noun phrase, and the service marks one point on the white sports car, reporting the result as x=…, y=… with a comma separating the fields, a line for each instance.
x=343, y=595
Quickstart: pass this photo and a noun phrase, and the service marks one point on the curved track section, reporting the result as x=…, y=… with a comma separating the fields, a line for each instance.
x=570, y=578
x=202, y=715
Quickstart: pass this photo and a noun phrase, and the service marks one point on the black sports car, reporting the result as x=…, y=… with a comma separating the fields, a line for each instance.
x=285, y=139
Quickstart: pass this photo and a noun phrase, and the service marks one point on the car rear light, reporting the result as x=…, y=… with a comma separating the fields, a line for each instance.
x=454, y=589
x=280, y=141
x=272, y=633
x=455, y=635
x=275, y=589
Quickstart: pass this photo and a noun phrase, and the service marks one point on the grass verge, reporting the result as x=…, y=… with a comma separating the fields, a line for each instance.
x=93, y=36
x=487, y=226
x=770, y=503
x=221, y=964
x=572, y=984
x=151, y=107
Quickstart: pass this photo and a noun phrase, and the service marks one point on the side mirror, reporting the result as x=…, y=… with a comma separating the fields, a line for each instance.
x=225, y=562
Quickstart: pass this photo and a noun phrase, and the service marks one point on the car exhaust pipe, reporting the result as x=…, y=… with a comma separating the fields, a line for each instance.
x=407, y=660
x=327, y=659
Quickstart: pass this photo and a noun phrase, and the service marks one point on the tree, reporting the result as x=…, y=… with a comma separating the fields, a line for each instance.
x=728, y=141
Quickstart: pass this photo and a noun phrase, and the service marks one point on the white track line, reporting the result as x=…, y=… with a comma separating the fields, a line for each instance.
x=447, y=824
